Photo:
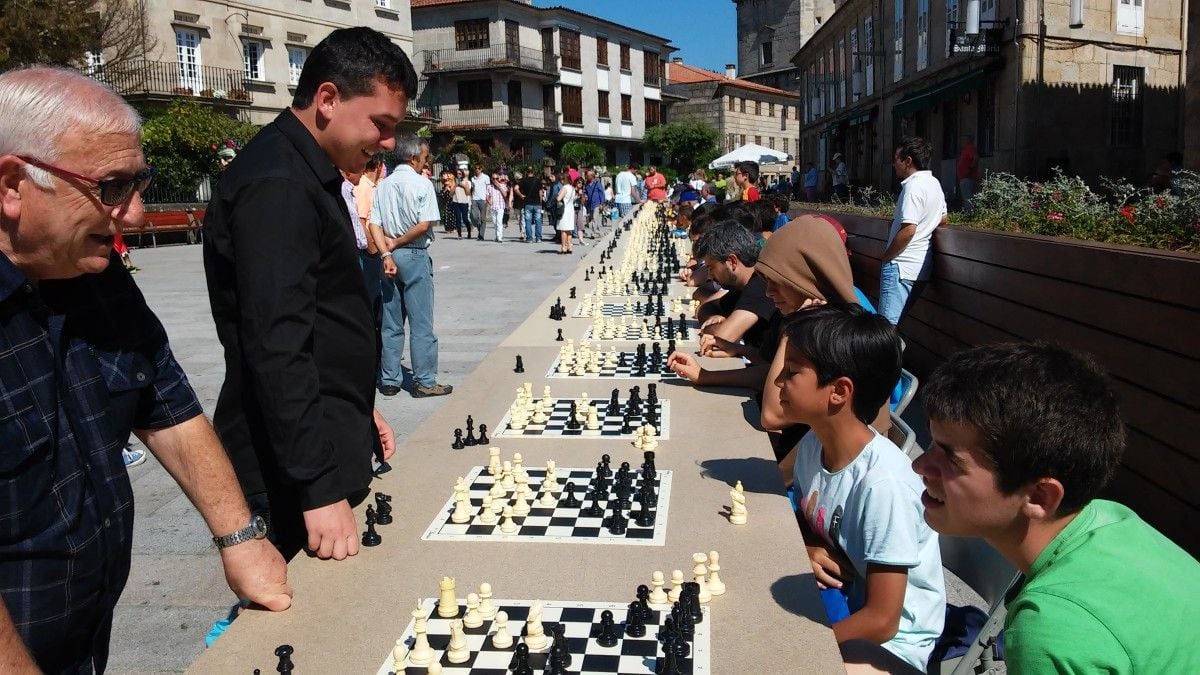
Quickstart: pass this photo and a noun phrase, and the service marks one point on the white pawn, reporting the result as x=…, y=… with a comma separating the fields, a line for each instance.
x=547, y=501
x=456, y=651
x=535, y=633
x=422, y=653
x=676, y=586
x=715, y=585
x=700, y=575
x=518, y=464
x=486, y=609
x=488, y=515
x=649, y=440
x=447, y=602
x=520, y=507
x=399, y=654
x=593, y=418
x=502, y=639
x=507, y=483
x=657, y=595
x=462, y=511
x=473, y=618
x=493, y=460
x=508, y=526
x=498, y=506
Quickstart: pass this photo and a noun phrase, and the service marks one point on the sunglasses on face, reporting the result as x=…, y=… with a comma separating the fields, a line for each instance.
x=113, y=191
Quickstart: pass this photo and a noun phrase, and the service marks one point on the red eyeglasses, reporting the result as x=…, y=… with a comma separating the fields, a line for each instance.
x=113, y=191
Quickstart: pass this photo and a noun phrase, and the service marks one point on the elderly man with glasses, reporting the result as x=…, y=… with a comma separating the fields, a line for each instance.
x=83, y=361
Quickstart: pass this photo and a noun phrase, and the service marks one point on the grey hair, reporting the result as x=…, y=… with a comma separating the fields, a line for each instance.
x=710, y=188
x=409, y=146
x=40, y=105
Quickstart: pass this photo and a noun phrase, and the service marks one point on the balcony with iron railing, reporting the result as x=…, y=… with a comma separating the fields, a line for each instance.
x=497, y=117
x=495, y=57
x=163, y=79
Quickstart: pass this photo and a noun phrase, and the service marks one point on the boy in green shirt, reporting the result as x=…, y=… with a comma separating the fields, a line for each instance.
x=1024, y=438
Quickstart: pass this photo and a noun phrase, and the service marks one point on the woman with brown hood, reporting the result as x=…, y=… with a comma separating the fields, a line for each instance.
x=804, y=265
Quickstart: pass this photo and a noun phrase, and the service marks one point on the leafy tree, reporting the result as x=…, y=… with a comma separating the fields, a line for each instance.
x=689, y=143
x=59, y=32
x=461, y=145
x=181, y=142
x=582, y=153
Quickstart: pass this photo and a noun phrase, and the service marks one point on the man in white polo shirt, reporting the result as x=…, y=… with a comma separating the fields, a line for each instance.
x=920, y=208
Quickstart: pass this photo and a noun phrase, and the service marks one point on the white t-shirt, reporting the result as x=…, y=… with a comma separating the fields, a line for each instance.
x=871, y=511
x=480, y=182
x=625, y=183
x=921, y=202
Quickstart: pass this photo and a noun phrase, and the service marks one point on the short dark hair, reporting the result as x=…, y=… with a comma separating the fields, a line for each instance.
x=728, y=237
x=845, y=340
x=915, y=148
x=764, y=210
x=699, y=226
x=353, y=59
x=748, y=168
x=374, y=162
x=741, y=210
x=1041, y=410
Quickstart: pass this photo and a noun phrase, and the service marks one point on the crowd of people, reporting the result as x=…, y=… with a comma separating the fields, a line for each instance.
x=302, y=222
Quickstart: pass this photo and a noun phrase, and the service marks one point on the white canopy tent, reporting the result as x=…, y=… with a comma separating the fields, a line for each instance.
x=751, y=152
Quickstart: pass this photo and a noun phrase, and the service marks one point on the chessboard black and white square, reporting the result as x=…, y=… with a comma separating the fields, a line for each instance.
x=580, y=621
x=627, y=371
x=638, y=332
x=634, y=308
x=555, y=425
x=557, y=524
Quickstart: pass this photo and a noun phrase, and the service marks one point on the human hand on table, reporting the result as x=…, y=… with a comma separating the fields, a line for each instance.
x=685, y=365
x=710, y=322
x=387, y=437
x=332, y=532
x=719, y=348
x=255, y=571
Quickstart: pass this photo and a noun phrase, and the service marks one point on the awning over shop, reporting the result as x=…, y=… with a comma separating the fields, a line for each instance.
x=855, y=118
x=942, y=91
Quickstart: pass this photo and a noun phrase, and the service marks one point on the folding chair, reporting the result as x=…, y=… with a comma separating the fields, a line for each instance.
x=989, y=575
x=903, y=436
x=904, y=392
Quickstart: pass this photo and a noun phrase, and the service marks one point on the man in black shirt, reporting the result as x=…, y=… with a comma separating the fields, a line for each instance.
x=528, y=191
x=296, y=411
x=729, y=252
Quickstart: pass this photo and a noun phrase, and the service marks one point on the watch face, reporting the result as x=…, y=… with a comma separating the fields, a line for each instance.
x=260, y=526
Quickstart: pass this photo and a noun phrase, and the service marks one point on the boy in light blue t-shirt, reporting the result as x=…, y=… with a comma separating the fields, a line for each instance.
x=860, y=499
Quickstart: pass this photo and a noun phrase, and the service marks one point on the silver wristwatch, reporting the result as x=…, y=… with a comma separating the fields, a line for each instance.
x=257, y=529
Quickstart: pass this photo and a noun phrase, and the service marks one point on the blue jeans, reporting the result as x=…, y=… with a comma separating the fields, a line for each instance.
x=532, y=214
x=624, y=209
x=409, y=295
x=462, y=218
x=893, y=292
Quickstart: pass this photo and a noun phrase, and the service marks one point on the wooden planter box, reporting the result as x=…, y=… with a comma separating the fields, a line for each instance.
x=1135, y=310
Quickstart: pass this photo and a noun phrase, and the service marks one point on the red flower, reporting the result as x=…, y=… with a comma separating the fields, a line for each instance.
x=1127, y=213
x=1160, y=202
x=1057, y=196
x=1054, y=215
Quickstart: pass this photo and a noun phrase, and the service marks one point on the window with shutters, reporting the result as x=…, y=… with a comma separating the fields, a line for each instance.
x=474, y=94
x=605, y=110
x=653, y=113
x=624, y=57
x=568, y=47
x=626, y=108
x=898, y=42
x=252, y=59
x=471, y=34
x=572, y=105
x=602, y=51
x=1125, y=108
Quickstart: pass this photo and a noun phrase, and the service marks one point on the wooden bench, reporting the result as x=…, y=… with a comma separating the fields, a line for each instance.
x=188, y=222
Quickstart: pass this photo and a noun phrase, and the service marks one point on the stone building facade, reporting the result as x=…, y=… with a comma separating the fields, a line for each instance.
x=504, y=71
x=769, y=32
x=740, y=110
x=1100, y=98
x=246, y=56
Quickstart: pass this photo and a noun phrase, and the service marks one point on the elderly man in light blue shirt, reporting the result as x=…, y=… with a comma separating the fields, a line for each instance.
x=401, y=221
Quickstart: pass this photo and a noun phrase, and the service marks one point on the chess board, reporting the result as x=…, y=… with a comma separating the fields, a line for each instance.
x=618, y=371
x=635, y=308
x=610, y=425
x=558, y=524
x=581, y=623
x=633, y=333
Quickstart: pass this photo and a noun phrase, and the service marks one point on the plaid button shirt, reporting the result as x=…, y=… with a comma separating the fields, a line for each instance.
x=82, y=361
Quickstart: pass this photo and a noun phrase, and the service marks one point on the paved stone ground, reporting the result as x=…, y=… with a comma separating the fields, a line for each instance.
x=176, y=588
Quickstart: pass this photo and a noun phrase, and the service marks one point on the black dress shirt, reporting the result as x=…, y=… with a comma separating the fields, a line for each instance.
x=82, y=361
x=292, y=313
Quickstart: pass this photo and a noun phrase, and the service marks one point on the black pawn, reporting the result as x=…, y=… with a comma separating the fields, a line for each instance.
x=618, y=524
x=572, y=293
x=606, y=462
x=458, y=440
x=587, y=275
x=520, y=661
x=371, y=537
x=595, y=510
x=560, y=648
x=635, y=626
x=520, y=368
x=483, y=437
x=607, y=634
x=572, y=417
x=644, y=517
x=643, y=602
x=284, y=652
x=560, y=337
x=570, y=500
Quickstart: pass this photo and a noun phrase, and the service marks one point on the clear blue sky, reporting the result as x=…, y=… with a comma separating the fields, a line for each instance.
x=705, y=38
